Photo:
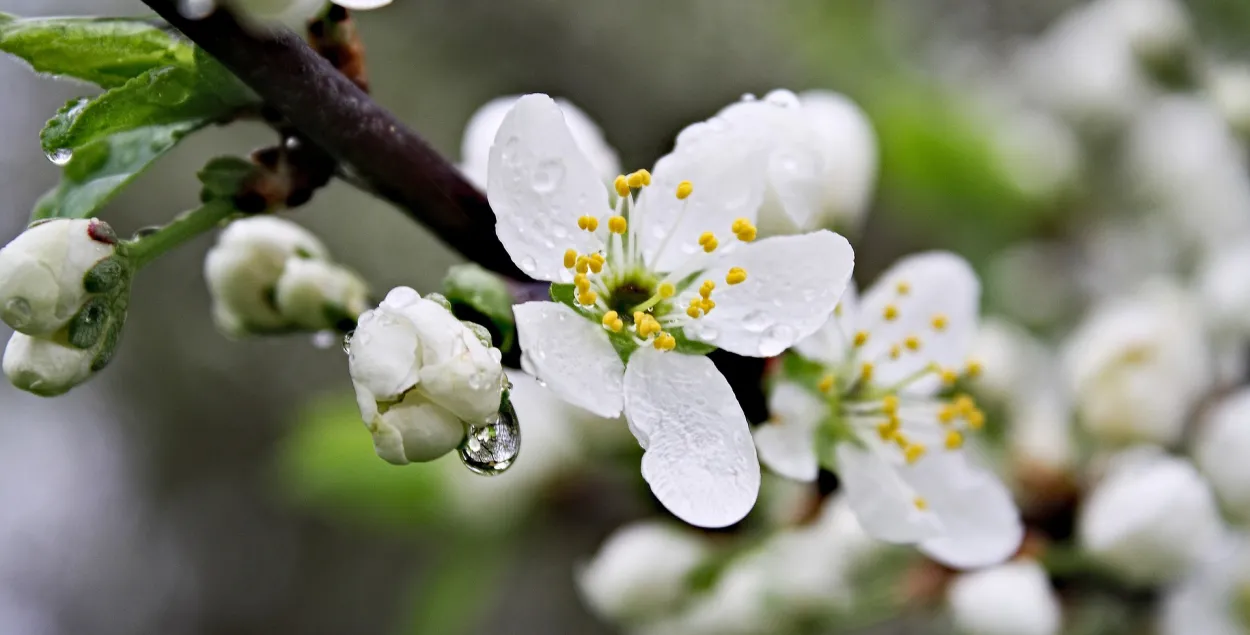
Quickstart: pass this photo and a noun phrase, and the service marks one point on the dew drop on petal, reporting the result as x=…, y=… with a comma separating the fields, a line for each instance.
x=17, y=313
x=509, y=153
x=776, y=339
x=783, y=98
x=528, y=265
x=559, y=231
x=755, y=321
x=547, y=176
x=491, y=448
x=748, y=96
x=347, y=341
x=323, y=339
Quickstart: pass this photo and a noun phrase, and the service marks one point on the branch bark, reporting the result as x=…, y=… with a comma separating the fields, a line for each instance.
x=330, y=110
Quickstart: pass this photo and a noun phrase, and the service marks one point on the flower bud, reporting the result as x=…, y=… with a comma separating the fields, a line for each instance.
x=1151, y=517
x=415, y=430
x=244, y=267
x=641, y=571
x=316, y=294
x=1220, y=450
x=43, y=272
x=45, y=367
x=1010, y=599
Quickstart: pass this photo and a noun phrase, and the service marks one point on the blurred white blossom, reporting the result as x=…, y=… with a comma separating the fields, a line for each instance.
x=1220, y=447
x=1150, y=518
x=642, y=571
x=1228, y=87
x=1010, y=599
x=1214, y=599
x=291, y=13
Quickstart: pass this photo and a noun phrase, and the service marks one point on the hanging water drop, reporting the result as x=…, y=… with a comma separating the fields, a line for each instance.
x=491, y=448
x=60, y=156
x=347, y=341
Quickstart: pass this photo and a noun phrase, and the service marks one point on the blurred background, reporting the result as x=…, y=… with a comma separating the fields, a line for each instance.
x=209, y=486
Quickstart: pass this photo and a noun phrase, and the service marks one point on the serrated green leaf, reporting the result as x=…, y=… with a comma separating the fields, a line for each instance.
x=485, y=293
x=106, y=52
x=99, y=171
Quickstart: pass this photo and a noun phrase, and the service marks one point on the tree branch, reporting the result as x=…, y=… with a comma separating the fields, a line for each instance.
x=334, y=113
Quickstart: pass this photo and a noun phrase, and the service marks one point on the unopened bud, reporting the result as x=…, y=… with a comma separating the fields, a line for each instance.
x=1010, y=599
x=316, y=294
x=45, y=367
x=415, y=430
x=46, y=272
x=641, y=571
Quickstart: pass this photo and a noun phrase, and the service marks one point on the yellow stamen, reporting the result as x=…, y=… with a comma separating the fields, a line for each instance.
x=694, y=311
x=902, y=287
x=588, y=223
x=895, y=351
x=612, y=320
x=889, y=404
x=837, y=310
x=974, y=368
x=665, y=342
x=583, y=264
x=964, y=404
x=954, y=440
x=913, y=452
x=975, y=419
x=646, y=177
x=706, y=289
x=826, y=383
x=570, y=258
x=684, y=189
x=708, y=305
x=621, y=184
x=939, y=322
x=617, y=225
x=890, y=313
x=667, y=290
x=886, y=430
x=587, y=299
x=736, y=275
x=865, y=371
x=949, y=377
x=920, y=503
x=596, y=262
x=634, y=180
x=946, y=414
x=912, y=343
x=861, y=338
x=581, y=282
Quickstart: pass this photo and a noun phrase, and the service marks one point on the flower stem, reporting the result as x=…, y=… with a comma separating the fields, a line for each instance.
x=184, y=227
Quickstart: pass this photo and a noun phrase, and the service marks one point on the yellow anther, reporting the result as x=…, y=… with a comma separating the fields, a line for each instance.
x=886, y=430
x=684, y=189
x=708, y=305
x=617, y=225
x=581, y=282
x=588, y=223
x=694, y=310
x=964, y=404
x=596, y=262
x=900, y=439
x=861, y=338
x=903, y=288
x=913, y=452
x=612, y=320
x=707, y=240
x=587, y=299
x=949, y=377
x=954, y=440
x=621, y=185
x=667, y=290
x=889, y=404
x=896, y=351
x=706, y=289
x=582, y=264
x=890, y=313
x=946, y=414
x=912, y=343
x=645, y=175
x=570, y=258
x=639, y=316
x=739, y=225
x=865, y=371
x=747, y=234
x=975, y=419
x=826, y=383
x=939, y=322
x=920, y=503
x=665, y=342
x=974, y=368
x=635, y=180
x=736, y=275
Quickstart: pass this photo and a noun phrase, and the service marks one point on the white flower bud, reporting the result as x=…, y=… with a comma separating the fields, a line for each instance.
x=1229, y=89
x=45, y=367
x=1220, y=450
x=641, y=571
x=1010, y=599
x=42, y=272
x=1151, y=518
x=413, y=430
x=316, y=294
x=244, y=267
x=413, y=346
x=291, y=13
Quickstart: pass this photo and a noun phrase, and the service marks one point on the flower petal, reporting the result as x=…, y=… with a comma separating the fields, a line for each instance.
x=362, y=5
x=572, y=356
x=699, y=459
x=843, y=133
x=831, y=343
x=793, y=283
x=787, y=443
x=920, y=288
x=382, y=358
x=539, y=183
x=883, y=501
x=980, y=522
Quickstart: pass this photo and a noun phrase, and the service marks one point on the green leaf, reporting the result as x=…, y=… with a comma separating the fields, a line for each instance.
x=486, y=294
x=106, y=52
x=223, y=177
x=162, y=96
x=802, y=371
x=100, y=170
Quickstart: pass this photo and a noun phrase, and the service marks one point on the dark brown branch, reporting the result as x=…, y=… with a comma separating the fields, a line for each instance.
x=335, y=114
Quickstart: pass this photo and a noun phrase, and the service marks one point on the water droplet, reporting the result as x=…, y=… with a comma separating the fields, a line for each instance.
x=755, y=321
x=748, y=96
x=776, y=339
x=547, y=176
x=323, y=339
x=60, y=156
x=402, y=296
x=17, y=313
x=510, y=151
x=347, y=341
x=196, y=9
x=783, y=98
x=528, y=265
x=703, y=331
x=492, y=448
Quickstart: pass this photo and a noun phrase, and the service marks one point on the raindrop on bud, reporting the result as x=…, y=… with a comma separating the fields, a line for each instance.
x=490, y=449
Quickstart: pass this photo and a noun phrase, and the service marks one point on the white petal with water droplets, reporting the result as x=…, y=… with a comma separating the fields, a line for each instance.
x=938, y=283
x=831, y=343
x=539, y=183
x=699, y=461
x=980, y=522
x=362, y=5
x=884, y=501
x=383, y=355
x=572, y=356
x=793, y=283
x=786, y=444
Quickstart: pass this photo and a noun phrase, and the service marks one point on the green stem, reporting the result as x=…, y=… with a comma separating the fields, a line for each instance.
x=181, y=229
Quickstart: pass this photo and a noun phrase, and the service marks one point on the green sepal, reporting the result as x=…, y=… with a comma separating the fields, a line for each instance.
x=224, y=177
x=482, y=333
x=105, y=275
x=565, y=294
x=689, y=346
x=89, y=324
x=474, y=290
x=108, y=346
x=624, y=343
x=439, y=299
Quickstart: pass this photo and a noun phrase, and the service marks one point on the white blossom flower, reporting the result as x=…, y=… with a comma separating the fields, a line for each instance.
x=1214, y=599
x=421, y=375
x=479, y=135
x=1228, y=87
x=1137, y=365
x=45, y=367
x=1220, y=447
x=642, y=571
x=644, y=291
x=316, y=294
x=1223, y=291
x=1150, y=518
x=43, y=271
x=1010, y=599
x=875, y=417
x=292, y=13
